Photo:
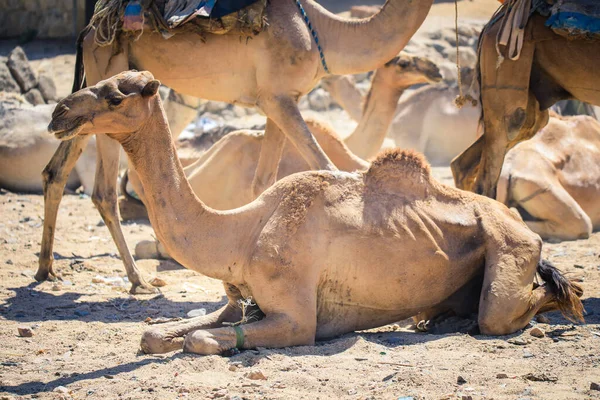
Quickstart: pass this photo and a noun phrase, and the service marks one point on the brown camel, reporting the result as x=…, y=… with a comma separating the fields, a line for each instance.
x=515, y=96
x=554, y=179
x=322, y=253
x=269, y=71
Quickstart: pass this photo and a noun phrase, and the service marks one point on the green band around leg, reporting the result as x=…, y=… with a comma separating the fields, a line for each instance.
x=239, y=337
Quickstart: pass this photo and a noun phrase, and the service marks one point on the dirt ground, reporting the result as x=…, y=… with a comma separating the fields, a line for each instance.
x=86, y=334
x=86, y=327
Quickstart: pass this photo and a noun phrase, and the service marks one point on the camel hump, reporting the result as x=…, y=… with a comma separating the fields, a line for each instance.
x=399, y=168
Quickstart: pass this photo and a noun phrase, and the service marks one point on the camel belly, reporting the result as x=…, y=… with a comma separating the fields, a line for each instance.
x=389, y=280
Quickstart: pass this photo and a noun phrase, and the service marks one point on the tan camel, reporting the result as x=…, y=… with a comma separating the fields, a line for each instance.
x=554, y=179
x=269, y=71
x=322, y=253
x=425, y=120
x=516, y=96
x=25, y=146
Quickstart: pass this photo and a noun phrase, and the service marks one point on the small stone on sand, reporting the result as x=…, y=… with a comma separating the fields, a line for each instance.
x=25, y=331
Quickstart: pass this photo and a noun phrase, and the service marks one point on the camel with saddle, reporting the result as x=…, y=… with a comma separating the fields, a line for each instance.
x=322, y=253
x=269, y=71
x=524, y=67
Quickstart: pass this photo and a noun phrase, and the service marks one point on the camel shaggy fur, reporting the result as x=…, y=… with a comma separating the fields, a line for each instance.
x=322, y=253
x=269, y=72
x=553, y=179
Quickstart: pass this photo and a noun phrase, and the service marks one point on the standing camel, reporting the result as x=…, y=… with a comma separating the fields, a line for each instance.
x=270, y=71
x=516, y=95
x=323, y=253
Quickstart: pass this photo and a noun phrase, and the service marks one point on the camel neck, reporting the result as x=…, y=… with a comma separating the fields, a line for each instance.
x=192, y=233
x=360, y=45
x=379, y=110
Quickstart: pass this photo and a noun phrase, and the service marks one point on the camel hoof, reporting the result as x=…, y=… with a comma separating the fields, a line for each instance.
x=201, y=342
x=423, y=326
x=44, y=275
x=143, y=288
x=154, y=341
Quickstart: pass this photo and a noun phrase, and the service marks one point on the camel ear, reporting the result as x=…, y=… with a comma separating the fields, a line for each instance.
x=151, y=88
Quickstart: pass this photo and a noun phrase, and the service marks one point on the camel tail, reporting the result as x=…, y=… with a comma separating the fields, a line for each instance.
x=79, y=78
x=567, y=293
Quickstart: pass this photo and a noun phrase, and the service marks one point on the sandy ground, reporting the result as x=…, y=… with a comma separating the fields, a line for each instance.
x=87, y=327
x=86, y=334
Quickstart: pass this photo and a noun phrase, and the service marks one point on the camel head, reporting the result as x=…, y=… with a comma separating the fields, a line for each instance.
x=120, y=104
x=405, y=70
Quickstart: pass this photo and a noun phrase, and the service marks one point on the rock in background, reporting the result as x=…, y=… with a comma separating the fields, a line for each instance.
x=17, y=76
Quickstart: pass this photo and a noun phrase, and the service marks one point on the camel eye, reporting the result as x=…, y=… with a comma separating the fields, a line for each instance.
x=115, y=101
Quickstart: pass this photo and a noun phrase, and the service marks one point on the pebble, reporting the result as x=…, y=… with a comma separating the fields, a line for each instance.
x=351, y=391
x=196, y=313
x=256, y=375
x=57, y=287
x=158, y=282
x=61, y=389
x=594, y=386
x=518, y=341
x=25, y=331
x=501, y=376
x=527, y=354
x=460, y=380
x=81, y=313
x=542, y=319
x=233, y=368
x=537, y=332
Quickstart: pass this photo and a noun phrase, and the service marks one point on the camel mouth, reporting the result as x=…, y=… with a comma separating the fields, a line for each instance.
x=65, y=134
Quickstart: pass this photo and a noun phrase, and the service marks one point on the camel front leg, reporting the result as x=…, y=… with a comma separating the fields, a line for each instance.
x=171, y=336
x=283, y=110
x=54, y=179
x=268, y=162
x=274, y=331
x=105, y=200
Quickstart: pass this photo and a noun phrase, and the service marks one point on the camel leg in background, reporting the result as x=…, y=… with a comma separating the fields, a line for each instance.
x=268, y=161
x=283, y=111
x=100, y=64
x=105, y=200
x=54, y=178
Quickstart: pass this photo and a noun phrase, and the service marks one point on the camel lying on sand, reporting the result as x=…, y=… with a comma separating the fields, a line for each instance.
x=269, y=72
x=26, y=147
x=322, y=253
x=425, y=120
x=554, y=178
x=516, y=96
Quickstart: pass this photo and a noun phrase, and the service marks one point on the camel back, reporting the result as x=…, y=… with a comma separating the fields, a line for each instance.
x=169, y=17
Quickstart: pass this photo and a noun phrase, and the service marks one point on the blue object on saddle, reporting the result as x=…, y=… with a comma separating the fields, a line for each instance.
x=574, y=21
x=225, y=7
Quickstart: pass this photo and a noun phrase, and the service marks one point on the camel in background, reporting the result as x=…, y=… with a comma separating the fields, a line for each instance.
x=553, y=179
x=425, y=120
x=323, y=253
